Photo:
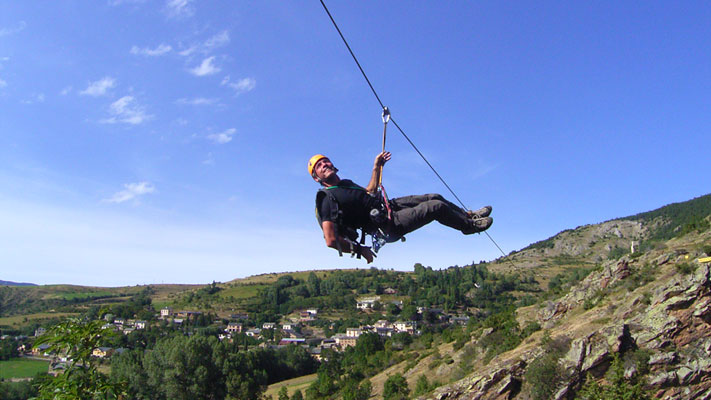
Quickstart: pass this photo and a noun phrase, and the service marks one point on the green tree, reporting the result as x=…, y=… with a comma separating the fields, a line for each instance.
x=283, y=393
x=81, y=380
x=422, y=386
x=396, y=388
x=185, y=368
x=618, y=388
x=297, y=395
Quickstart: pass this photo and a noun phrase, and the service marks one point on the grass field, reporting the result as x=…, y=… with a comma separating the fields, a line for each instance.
x=241, y=291
x=19, y=320
x=292, y=385
x=21, y=368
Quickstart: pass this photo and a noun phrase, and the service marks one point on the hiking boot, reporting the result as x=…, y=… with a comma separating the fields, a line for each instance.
x=478, y=225
x=480, y=213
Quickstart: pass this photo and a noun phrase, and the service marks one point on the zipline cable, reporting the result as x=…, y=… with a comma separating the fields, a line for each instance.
x=335, y=25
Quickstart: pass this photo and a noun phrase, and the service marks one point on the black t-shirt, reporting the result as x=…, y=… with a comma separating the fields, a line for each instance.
x=353, y=201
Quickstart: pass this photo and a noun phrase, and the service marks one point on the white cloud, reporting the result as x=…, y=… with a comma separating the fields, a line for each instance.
x=66, y=91
x=2, y=83
x=205, y=68
x=241, y=86
x=209, y=160
x=100, y=87
x=179, y=8
x=218, y=40
x=38, y=98
x=213, y=42
x=126, y=110
x=190, y=50
x=11, y=31
x=158, y=51
x=119, y=2
x=198, y=101
x=222, y=137
x=131, y=191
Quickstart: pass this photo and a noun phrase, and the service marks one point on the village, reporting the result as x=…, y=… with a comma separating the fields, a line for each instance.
x=300, y=328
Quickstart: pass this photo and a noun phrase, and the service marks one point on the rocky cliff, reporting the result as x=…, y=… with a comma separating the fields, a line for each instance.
x=654, y=308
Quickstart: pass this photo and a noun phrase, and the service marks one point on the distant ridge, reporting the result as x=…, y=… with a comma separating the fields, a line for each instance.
x=8, y=283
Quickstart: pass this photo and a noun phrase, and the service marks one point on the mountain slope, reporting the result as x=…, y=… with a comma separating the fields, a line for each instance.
x=651, y=309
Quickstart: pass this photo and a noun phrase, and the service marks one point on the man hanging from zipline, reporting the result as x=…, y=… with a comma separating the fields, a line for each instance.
x=342, y=207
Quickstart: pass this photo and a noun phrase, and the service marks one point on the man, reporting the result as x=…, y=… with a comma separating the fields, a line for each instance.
x=342, y=207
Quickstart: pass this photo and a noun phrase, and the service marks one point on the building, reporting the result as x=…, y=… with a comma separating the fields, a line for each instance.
x=307, y=315
x=288, y=333
x=102, y=352
x=253, y=332
x=288, y=341
x=189, y=314
x=354, y=332
x=166, y=312
x=234, y=327
x=405, y=326
x=344, y=341
x=367, y=303
x=390, y=290
x=268, y=325
x=382, y=324
x=140, y=324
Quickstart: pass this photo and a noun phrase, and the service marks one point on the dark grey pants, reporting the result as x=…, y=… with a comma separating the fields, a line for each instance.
x=414, y=212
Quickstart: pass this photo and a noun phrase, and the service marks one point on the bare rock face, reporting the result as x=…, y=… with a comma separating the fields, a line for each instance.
x=675, y=329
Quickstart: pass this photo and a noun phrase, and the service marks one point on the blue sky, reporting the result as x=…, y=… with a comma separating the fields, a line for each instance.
x=166, y=141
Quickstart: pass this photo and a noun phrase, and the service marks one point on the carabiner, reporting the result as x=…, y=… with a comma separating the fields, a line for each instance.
x=386, y=115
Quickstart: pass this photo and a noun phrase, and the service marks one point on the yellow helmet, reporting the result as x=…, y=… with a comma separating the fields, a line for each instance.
x=312, y=162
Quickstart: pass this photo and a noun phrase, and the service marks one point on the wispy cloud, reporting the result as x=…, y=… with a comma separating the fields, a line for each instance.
x=145, y=51
x=179, y=8
x=222, y=137
x=207, y=67
x=37, y=98
x=2, y=83
x=198, y=101
x=66, y=91
x=100, y=87
x=241, y=86
x=13, y=30
x=119, y=2
x=217, y=40
x=131, y=191
x=126, y=110
x=483, y=169
x=210, y=160
x=212, y=43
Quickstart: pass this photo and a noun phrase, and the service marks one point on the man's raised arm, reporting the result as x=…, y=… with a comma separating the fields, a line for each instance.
x=378, y=164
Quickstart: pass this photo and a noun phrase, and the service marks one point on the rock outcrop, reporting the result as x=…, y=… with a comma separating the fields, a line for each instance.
x=669, y=319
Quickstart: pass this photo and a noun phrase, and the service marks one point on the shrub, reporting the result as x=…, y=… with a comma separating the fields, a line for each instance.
x=543, y=374
x=616, y=253
x=685, y=268
x=396, y=388
x=619, y=387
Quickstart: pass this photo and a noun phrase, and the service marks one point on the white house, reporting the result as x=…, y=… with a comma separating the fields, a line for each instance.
x=405, y=326
x=367, y=303
x=354, y=332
